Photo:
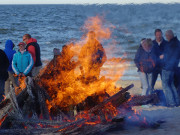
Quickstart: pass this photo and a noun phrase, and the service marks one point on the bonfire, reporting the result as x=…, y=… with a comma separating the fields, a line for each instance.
x=70, y=95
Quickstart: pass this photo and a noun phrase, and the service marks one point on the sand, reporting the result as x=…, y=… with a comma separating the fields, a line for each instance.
x=170, y=116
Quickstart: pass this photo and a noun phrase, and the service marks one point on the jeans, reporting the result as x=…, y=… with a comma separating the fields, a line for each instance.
x=155, y=76
x=146, y=82
x=170, y=92
x=2, y=83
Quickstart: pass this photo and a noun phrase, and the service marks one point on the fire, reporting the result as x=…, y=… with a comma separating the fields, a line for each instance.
x=22, y=85
x=1, y=121
x=75, y=74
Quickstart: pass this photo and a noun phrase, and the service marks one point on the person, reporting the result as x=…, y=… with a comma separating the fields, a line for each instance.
x=92, y=56
x=4, y=64
x=170, y=59
x=34, y=50
x=159, y=44
x=145, y=60
x=9, y=45
x=22, y=61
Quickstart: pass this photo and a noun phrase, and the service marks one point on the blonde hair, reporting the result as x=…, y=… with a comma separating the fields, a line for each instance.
x=149, y=42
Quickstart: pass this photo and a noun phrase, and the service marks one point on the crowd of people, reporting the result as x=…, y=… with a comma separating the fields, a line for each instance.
x=160, y=57
x=25, y=62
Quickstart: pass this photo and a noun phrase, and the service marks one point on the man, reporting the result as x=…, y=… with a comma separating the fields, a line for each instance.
x=171, y=59
x=92, y=57
x=159, y=44
x=4, y=64
x=34, y=49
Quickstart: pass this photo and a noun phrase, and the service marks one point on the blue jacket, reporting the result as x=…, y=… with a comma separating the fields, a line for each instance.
x=159, y=50
x=145, y=61
x=171, y=55
x=22, y=63
x=9, y=52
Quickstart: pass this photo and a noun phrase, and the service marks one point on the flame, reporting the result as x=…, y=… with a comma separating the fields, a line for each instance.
x=75, y=74
x=4, y=98
x=1, y=121
x=22, y=85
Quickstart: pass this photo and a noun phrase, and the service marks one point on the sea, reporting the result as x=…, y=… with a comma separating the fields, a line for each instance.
x=56, y=25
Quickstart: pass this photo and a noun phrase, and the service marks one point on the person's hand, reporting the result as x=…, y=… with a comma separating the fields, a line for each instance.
x=161, y=56
x=21, y=75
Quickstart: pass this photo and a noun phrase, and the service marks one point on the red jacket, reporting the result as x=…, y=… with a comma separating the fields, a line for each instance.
x=34, y=50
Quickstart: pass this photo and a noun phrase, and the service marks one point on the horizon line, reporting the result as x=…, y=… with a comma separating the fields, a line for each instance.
x=132, y=3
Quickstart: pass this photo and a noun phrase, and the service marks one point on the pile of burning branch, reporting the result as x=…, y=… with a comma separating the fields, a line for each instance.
x=28, y=112
x=69, y=96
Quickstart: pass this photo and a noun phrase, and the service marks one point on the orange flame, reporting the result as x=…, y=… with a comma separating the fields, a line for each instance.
x=75, y=74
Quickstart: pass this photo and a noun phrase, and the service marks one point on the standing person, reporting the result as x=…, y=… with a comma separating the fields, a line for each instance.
x=4, y=64
x=92, y=57
x=22, y=61
x=145, y=60
x=159, y=45
x=34, y=50
x=10, y=53
x=171, y=59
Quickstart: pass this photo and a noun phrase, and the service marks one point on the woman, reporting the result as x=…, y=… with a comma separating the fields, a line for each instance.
x=145, y=60
x=22, y=61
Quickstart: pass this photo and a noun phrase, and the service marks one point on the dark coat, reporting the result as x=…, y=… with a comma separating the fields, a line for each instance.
x=145, y=61
x=159, y=50
x=171, y=55
x=4, y=64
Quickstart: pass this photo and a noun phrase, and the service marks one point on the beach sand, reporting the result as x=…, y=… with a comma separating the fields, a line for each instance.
x=136, y=90
x=170, y=116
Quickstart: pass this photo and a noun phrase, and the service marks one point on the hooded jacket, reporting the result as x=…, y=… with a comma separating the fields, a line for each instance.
x=34, y=50
x=171, y=55
x=22, y=63
x=4, y=64
x=145, y=60
x=10, y=53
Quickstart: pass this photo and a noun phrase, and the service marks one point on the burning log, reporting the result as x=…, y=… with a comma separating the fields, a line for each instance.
x=143, y=100
x=113, y=98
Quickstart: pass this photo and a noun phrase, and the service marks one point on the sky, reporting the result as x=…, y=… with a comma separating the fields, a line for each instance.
x=85, y=1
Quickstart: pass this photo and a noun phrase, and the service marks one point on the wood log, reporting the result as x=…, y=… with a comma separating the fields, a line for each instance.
x=138, y=100
x=42, y=130
x=110, y=99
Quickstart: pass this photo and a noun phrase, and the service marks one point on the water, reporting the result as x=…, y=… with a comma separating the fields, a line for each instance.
x=55, y=25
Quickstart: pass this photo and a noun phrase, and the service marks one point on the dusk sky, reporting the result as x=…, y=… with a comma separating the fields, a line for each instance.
x=85, y=1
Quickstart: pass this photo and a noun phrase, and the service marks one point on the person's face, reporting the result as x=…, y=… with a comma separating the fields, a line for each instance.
x=168, y=37
x=21, y=47
x=25, y=39
x=158, y=36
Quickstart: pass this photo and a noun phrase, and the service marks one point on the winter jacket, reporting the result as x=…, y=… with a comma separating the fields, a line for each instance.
x=34, y=49
x=171, y=55
x=9, y=52
x=22, y=63
x=159, y=50
x=4, y=64
x=145, y=61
